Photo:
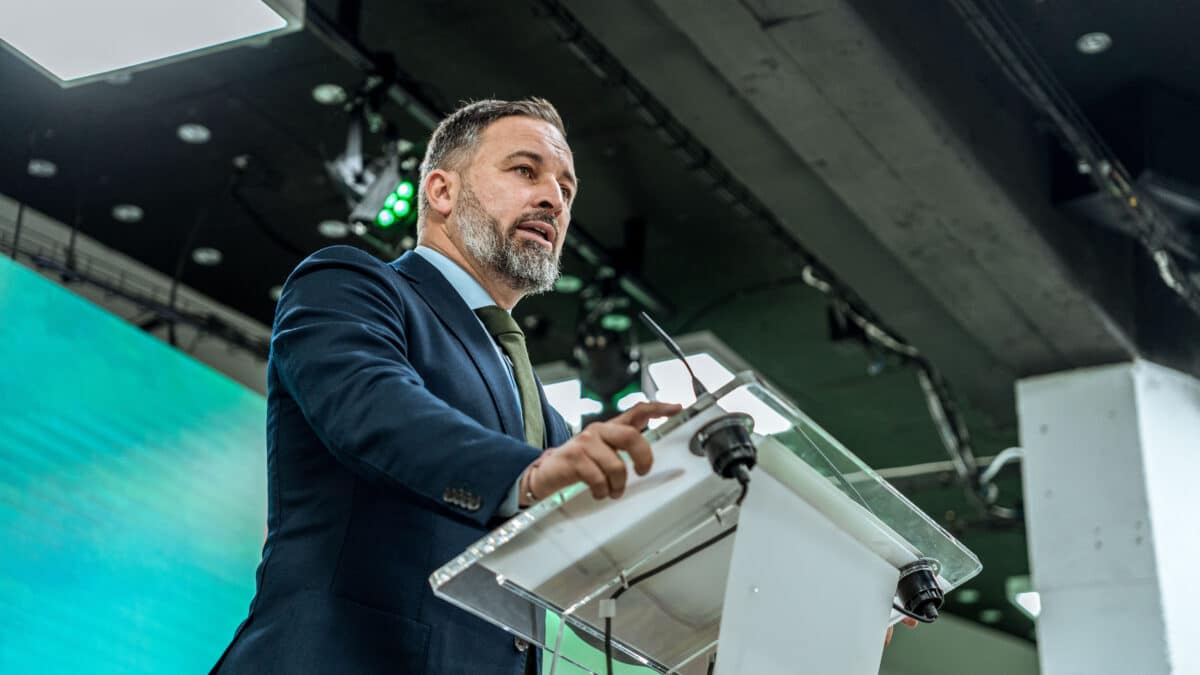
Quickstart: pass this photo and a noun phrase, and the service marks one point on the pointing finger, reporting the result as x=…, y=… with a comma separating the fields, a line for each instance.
x=639, y=415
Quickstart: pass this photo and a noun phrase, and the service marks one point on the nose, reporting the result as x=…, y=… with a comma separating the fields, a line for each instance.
x=550, y=197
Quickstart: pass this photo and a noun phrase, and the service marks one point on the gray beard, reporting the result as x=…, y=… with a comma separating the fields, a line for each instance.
x=522, y=265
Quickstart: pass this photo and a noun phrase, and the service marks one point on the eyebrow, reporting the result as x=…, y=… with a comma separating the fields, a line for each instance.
x=539, y=160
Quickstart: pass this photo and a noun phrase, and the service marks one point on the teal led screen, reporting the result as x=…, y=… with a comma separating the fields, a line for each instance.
x=132, y=492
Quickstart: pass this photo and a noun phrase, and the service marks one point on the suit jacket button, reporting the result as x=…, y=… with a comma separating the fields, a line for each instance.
x=520, y=644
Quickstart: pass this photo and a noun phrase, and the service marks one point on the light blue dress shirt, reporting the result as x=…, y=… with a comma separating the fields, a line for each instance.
x=476, y=296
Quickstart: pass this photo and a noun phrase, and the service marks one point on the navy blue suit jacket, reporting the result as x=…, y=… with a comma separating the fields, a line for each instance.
x=392, y=437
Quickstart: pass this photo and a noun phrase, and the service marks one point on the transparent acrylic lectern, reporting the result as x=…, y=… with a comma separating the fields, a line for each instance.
x=805, y=584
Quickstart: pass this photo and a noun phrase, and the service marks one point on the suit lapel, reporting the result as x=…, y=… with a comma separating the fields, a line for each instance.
x=449, y=307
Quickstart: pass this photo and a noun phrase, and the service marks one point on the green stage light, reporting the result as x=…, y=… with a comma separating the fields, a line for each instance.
x=389, y=203
x=617, y=323
x=568, y=283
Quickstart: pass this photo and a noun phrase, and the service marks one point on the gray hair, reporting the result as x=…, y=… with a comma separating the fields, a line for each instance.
x=456, y=137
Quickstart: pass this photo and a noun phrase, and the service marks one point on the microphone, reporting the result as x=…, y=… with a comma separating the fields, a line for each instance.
x=697, y=386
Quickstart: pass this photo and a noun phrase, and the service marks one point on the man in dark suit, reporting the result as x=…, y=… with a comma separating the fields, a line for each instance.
x=404, y=420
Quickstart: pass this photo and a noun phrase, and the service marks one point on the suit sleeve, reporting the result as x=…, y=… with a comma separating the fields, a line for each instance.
x=340, y=349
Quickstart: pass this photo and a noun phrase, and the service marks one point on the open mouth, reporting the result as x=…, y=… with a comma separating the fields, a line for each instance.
x=541, y=232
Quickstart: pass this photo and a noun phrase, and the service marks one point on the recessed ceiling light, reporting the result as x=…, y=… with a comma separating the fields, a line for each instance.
x=334, y=229
x=207, y=256
x=407, y=242
x=74, y=42
x=42, y=168
x=359, y=229
x=128, y=213
x=329, y=94
x=1093, y=43
x=193, y=133
x=967, y=596
x=991, y=615
x=275, y=292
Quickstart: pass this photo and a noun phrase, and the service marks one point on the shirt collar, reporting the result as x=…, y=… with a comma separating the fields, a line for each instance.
x=467, y=287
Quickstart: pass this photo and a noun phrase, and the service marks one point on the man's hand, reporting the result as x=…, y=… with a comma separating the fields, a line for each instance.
x=911, y=623
x=591, y=455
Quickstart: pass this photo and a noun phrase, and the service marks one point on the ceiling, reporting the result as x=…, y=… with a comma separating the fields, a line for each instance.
x=733, y=271
x=1146, y=45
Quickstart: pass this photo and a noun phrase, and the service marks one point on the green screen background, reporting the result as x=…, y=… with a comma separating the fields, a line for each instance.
x=132, y=492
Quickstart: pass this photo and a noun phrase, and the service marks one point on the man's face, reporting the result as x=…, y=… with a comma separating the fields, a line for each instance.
x=514, y=206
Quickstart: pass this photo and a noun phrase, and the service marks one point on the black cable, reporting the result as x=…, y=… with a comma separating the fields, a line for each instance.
x=743, y=477
x=944, y=414
x=642, y=577
x=17, y=229
x=227, y=188
x=31, y=138
x=673, y=561
x=1001, y=38
x=918, y=617
x=77, y=220
x=247, y=102
x=260, y=222
x=608, y=644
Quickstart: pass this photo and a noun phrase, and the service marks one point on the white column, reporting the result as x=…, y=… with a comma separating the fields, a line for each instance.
x=1112, y=498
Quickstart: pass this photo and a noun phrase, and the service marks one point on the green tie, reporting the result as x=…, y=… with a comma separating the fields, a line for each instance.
x=506, y=331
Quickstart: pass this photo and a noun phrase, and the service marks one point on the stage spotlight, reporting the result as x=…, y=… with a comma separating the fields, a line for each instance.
x=389, y=201
x=75, y=42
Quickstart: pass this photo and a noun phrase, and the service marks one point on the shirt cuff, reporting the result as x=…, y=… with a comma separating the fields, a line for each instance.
x=512, y=501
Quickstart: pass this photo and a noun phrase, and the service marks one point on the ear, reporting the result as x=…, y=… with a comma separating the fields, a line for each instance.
x=441, y=190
